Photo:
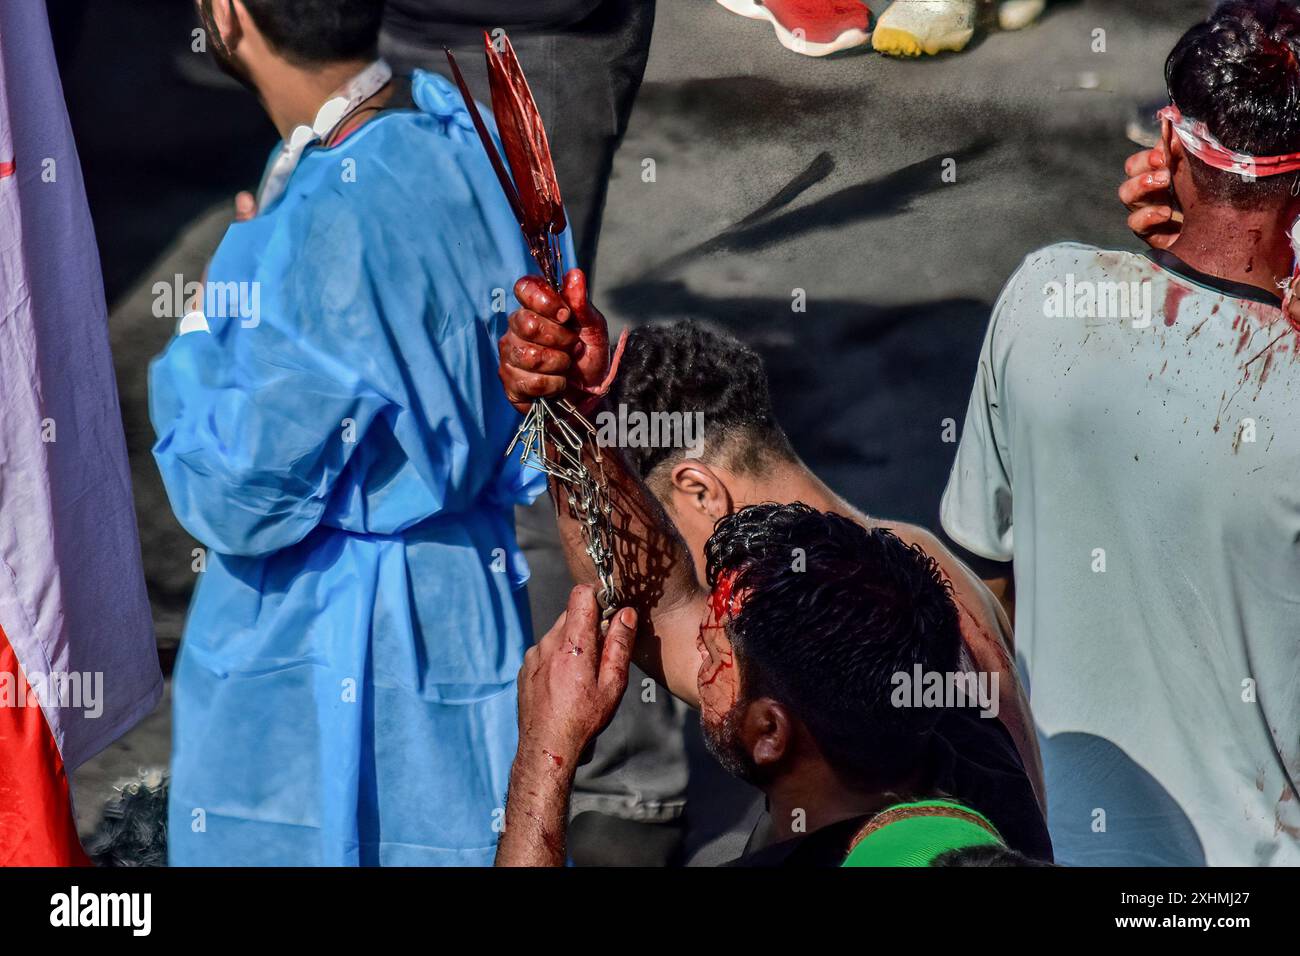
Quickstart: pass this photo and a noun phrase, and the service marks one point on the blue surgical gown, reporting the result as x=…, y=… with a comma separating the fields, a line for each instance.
x=345, y=691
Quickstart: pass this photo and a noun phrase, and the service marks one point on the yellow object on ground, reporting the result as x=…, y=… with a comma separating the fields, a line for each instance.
x=927, y=27
x=915, y=27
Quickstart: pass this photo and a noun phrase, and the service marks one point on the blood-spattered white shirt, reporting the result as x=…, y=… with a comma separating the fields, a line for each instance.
x=1133, y=443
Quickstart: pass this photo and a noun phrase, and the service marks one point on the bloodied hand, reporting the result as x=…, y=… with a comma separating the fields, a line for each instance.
x=557, y=344
x=1147, y=193
x=572, y=681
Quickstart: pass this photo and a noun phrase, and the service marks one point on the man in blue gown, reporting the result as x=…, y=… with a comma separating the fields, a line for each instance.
x=330, y=428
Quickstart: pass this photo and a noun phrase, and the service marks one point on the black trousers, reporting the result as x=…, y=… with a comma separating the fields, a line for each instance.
x=584, y=76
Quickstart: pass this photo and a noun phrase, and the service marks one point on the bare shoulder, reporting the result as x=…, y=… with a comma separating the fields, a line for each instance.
x=971, y=594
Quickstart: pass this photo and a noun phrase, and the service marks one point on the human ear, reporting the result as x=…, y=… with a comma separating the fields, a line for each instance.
x=767, y=731
x=699, y=488
x=228, y=19
x=1175, y=155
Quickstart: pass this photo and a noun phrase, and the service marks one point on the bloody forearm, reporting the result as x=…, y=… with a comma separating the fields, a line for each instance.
x=537, y=812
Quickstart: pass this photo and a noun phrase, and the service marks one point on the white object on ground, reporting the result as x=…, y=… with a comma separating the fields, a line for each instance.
x=914, y=27
x=1017, y=14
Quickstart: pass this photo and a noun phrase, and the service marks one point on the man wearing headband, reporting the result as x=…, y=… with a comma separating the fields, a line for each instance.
x=345, y=688
x=1130, y=455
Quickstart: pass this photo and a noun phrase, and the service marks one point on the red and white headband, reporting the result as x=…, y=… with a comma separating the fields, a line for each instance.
x=1205, y=146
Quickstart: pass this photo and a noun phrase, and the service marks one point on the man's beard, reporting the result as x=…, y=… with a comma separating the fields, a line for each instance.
x=723, y=744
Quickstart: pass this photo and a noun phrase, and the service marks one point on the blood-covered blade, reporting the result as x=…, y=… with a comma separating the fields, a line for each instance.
x=507, y=184
x=523, y=137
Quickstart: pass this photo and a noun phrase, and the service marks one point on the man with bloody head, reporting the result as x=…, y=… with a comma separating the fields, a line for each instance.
x=793, y=645
x=810, y=624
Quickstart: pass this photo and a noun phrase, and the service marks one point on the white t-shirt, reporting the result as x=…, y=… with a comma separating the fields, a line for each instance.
x=1133, y=443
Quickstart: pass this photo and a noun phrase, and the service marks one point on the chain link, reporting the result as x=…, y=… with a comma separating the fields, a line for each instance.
x=561, y=426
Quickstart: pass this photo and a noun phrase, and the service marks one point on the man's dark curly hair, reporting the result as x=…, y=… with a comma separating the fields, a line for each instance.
x=685, y=367
x=1239, y=73
x=830, y=611
x=313, y=31
x=986, y=856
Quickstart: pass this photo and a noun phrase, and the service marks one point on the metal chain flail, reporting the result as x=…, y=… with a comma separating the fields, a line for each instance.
x=547, y=425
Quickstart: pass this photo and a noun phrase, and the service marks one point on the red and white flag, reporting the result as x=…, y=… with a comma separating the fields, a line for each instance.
x=78, y=664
